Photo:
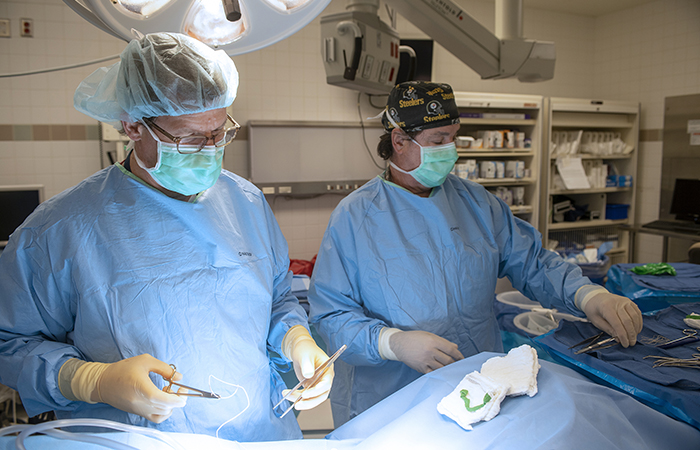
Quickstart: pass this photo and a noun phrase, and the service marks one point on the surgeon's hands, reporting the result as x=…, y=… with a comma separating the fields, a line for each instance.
x=618, y=316
x=126, y=385
x=300, y=347
x=423, y=351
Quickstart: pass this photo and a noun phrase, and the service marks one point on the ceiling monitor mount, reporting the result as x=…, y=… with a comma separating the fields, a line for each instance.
x=505, y=54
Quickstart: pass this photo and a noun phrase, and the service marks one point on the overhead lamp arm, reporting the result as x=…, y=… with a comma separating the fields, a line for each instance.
x=503, y=55
x=88, y=15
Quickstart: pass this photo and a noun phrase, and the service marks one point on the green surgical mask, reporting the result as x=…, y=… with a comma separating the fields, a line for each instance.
x=186, y=174
x=436, y=162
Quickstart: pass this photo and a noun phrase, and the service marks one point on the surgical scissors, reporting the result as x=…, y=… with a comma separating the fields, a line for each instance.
x=195, y=392
x=689, y=336
x=311, y=382
x=594, y=343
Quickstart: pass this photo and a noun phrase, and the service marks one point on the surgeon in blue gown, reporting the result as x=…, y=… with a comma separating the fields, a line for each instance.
x=161, y=259
x=408, y=265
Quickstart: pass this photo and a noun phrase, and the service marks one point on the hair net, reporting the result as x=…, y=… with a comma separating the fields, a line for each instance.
x=419, y=105
x=160, y=74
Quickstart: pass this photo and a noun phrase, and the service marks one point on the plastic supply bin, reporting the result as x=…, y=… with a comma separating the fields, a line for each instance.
x=616, y=211
x=596, y=271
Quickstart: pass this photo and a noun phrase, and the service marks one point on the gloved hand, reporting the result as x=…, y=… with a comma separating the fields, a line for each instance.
x=300, y=347
x=126, y=385
x=618, y=316
x=423, y=351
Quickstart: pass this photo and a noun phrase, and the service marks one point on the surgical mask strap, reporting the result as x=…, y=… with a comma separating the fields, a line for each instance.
x=388, y=116
x=391, y=163
x=136, y=155
x=129, y=149
x=396, y=125
x=416, y=142
x=157, y=139
x=143, y=165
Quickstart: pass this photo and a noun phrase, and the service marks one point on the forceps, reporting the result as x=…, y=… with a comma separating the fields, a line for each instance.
x=195, y=392
x=594, y=343
x=668, y=361
x=320, y=371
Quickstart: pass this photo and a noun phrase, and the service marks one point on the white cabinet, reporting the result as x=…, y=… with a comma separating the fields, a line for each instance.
x=600, y=137
x=509, y=128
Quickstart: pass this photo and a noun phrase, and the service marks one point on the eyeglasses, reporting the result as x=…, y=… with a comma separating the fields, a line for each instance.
x=196, y=142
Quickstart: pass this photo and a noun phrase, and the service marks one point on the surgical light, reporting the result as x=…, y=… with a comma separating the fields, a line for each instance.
x=208, y=21
x=141, y=8
x=235, y=26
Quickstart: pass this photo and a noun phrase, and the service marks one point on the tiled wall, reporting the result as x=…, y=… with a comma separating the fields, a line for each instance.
x=642, y=54
x=51, y=163
x=646, y=54
x=43, y=139
x=49, y=132
x=303, y=222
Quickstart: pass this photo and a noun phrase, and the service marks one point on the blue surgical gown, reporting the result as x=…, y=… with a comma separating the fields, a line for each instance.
x=390, y=258
x=113, y=268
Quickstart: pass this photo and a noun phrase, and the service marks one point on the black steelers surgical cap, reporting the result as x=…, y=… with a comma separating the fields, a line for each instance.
x=419, y=105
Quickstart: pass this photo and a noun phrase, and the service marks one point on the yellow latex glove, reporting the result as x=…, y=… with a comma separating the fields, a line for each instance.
x=618, y=316
x=300, y=347
x=125, y=385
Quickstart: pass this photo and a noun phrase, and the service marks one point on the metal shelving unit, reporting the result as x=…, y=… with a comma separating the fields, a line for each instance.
x=501, y=112
x=568, y=114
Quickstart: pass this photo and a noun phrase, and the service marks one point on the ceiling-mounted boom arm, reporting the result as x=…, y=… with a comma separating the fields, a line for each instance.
x=446, y=24
x=503, y=55
x=484, y=52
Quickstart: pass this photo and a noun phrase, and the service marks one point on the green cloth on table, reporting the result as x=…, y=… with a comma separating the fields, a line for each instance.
x=655, y=269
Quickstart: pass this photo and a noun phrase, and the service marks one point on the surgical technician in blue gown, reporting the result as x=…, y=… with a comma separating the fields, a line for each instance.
x=408, y=265
x=161, y=259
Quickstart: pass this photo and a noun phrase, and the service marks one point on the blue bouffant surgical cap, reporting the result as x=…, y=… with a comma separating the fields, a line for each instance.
x=160, y=74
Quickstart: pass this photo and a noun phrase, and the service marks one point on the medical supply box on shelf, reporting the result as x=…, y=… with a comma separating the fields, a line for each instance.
x=616, y=211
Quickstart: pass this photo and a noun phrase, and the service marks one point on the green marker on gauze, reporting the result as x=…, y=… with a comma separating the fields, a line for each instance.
x=457, y=405
x=514, y=374
x=464, y=395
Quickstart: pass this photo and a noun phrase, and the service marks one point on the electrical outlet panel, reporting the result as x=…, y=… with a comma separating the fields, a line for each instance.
x=26, y=27
x=5, y=28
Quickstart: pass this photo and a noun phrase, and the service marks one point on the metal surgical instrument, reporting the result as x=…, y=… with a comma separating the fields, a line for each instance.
x=689, y=336
x=311, y=382
x=668, y=361
x=195, y=392
x=594, y=343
